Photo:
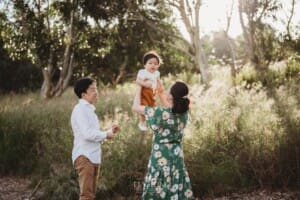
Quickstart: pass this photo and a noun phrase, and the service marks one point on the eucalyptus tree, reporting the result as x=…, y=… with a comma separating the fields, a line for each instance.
x=72, y=38
x=291, y=35
x=189, y=11
x=44, y=31
x=132, y=28
x=259, y=35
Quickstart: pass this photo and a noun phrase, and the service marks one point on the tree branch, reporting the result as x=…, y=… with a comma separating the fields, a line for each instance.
x=229, y=17
x=290, y=19
x=183, y=48
x=266, y=5
x=185, y=18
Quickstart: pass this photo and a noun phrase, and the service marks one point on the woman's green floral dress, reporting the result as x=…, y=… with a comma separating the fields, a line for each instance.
x=166, y=176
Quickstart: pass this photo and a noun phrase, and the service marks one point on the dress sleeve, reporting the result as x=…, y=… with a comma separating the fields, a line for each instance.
x=153, y=117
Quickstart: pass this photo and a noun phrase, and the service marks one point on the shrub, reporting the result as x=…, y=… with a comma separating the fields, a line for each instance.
x=236, y=138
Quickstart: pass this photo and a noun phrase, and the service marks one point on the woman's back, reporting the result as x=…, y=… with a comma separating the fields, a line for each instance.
x=167, y=177
x=167, y=127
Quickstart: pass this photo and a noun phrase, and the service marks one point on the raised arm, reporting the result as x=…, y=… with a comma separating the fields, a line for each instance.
x=143, y=83
x=161, y=94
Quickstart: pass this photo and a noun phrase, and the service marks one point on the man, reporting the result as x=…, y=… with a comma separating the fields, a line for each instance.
x=86, y=153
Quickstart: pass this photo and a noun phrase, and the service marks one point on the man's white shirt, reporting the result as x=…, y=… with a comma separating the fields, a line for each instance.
x=86, y=131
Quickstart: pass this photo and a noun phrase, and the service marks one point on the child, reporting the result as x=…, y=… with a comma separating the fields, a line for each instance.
x=147, y=80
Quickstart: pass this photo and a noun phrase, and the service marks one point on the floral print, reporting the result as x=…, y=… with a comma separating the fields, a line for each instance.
x=167, y=177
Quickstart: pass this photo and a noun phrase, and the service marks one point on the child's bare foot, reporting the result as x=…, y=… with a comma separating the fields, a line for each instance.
x=142, y=126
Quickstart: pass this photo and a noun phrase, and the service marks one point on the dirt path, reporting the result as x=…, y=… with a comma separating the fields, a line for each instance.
x=12, y=188
x=261, y=195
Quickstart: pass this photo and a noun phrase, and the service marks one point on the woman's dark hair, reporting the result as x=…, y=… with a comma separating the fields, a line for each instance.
x=82, y=85
x=181, y=103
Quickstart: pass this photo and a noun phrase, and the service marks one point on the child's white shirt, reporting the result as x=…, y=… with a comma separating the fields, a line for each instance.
x=146, y=75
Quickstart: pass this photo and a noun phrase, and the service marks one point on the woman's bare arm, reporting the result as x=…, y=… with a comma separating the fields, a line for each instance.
x=137, y=107
x=160, y=92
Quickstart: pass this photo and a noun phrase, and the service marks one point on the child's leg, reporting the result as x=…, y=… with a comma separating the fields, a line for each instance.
x=142, y=118
x=142, y=123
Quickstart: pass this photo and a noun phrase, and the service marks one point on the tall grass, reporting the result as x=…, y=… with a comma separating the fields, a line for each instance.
x=239, y=137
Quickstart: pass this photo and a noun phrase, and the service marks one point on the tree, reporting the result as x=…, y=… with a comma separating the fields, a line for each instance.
x=189, y=11
x=291, y=36
x=258, y=34
x=16, y=75
x=134, y=28
x=230, y=43
x=71, y=38
x=224, y=45
x=36, y=32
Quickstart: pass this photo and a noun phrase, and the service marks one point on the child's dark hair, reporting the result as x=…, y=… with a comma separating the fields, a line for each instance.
x=151, y=54
x=82, y=85
x=181, y=103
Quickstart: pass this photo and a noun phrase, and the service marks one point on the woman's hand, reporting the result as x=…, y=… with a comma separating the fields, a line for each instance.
x=160, y=87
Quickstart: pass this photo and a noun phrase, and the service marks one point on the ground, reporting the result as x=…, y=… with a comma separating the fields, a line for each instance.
x=12, y=188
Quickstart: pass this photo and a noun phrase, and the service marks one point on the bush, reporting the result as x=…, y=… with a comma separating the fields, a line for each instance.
x=236, y=138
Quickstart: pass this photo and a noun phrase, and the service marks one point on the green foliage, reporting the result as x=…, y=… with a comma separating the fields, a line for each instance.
x=247, y=76
x=108, y=38
x=68, y=187
x=35, y=135
x=17, y=152
x=278, y=73
x=10, y=79
x=261, y=41
x=236, y=138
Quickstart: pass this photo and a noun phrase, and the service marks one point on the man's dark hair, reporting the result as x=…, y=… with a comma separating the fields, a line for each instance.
x=82, y=85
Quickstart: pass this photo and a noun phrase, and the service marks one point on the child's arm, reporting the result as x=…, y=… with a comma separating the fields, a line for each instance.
x=141, y=82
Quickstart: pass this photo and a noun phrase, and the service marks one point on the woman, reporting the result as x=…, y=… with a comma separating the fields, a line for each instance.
x=166, y=176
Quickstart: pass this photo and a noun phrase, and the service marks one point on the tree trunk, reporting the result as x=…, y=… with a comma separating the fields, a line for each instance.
x=122, y=71
x=229, y=44
x=254, y=52
x=190, y=17
x=48, y=90
x=290, y=20
x=47, y=86
x=232, y=63
x=249, y=44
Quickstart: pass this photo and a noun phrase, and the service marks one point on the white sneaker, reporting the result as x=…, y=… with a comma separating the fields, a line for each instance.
x=142, y=126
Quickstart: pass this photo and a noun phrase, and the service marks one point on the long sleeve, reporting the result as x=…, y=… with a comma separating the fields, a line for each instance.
x=87, y=132
x=87, y=125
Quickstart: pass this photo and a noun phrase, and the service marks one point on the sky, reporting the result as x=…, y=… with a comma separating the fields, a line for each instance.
x=213, y=17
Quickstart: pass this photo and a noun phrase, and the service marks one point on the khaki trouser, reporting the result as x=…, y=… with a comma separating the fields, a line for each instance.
x=88, y=175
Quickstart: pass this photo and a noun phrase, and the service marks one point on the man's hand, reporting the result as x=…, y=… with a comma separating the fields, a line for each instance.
x=115, y=128
x=111, y=132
